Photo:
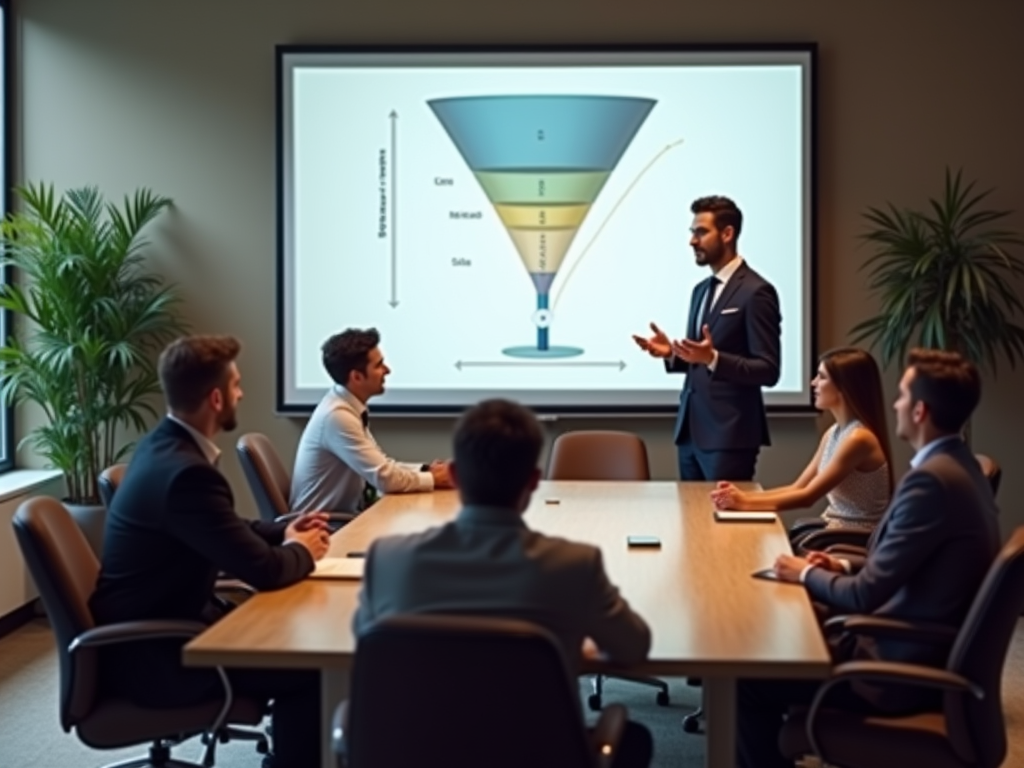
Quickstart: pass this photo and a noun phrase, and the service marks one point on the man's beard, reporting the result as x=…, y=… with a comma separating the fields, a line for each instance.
x=229, y=421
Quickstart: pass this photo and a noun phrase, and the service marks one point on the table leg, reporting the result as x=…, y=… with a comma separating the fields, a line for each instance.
x=720, y=714
x=333, y=690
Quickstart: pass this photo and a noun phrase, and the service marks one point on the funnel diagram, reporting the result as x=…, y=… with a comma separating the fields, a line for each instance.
x=542, y=161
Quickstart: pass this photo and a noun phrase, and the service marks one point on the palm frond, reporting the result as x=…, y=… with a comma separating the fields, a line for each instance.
x=95, y=318
x=944, y=277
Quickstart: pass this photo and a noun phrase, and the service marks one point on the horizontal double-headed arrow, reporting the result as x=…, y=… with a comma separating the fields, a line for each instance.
x=460, y=364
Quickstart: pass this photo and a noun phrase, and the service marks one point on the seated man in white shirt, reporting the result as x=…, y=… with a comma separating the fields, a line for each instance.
x=339, y=465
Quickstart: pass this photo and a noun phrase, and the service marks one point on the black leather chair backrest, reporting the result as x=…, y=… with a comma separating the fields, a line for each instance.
x=65, y=571
x=424, y=677
x=990, y=467
x=269, y=480
x=598, y=455
x=109, y=481
x=976, y=728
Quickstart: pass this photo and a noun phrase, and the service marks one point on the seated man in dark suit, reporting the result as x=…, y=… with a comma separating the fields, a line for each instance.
x=487, y=561
x=925, y=560
x=172, y=526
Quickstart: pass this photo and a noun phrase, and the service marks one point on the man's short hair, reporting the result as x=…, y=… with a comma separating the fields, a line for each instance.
x=348, y=351
x=496, y=447
x=191, y=367
x=948, y=383
x=724, y=210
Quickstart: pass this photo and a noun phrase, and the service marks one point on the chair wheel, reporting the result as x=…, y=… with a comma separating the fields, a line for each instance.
x=594, y=702
x=662, y=699
x=691, y=724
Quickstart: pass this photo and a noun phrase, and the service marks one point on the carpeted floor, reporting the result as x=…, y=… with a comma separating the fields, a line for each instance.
x=31, y=737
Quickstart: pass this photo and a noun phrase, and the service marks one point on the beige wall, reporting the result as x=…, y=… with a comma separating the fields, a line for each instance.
x=180, y=97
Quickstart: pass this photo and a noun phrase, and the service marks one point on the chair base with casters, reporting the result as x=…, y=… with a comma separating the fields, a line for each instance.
x=691, y=723
x=594, y=700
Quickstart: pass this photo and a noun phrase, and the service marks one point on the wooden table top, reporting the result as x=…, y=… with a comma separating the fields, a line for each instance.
x=707, y=614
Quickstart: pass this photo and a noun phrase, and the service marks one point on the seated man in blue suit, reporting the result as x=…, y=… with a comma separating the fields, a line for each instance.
x=488, y=561
x=925, y=560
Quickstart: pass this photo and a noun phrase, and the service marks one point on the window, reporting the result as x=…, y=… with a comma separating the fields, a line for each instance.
x=6, y=48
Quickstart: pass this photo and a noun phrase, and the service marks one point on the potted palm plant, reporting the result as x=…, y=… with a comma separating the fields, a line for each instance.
x=93, y=318
x=945, y=277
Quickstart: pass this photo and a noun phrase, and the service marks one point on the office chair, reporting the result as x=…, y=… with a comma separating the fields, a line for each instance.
x=420, y=675
x=108, y=482
x=598, y=455
x=603, y=455
x=65, y=570
x=270, y=482
x=968, y=731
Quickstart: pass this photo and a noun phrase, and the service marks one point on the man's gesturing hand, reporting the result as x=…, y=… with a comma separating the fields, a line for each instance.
x=702, y=352
x=657, y=345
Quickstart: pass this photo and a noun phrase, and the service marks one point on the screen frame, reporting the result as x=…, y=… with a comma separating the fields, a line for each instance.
x=284, y=51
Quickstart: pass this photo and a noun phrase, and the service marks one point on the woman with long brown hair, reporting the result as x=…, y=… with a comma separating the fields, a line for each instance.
x=853, y=463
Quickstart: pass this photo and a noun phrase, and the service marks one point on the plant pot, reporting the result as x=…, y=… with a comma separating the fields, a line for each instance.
x=91, y=519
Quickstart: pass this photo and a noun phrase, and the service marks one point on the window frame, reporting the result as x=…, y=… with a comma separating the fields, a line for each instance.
x=7, y=444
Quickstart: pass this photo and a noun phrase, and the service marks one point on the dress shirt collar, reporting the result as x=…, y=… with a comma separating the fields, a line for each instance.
x=206, y=445
x=930, y=448
x=729, y=270
x=357, y=405
x=481, y=515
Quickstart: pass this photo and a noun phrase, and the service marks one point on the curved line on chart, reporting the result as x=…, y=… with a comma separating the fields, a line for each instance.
x=665, y=150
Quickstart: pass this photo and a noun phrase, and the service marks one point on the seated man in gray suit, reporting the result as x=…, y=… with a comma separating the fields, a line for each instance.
x=925, y=560
x=487, y=561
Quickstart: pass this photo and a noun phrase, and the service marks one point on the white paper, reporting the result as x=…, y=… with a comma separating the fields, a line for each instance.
x=339, y=568
x=723, y=516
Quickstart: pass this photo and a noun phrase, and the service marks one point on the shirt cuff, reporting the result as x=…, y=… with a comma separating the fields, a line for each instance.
x=847, y=568
x=803, y=573
x=714, y=360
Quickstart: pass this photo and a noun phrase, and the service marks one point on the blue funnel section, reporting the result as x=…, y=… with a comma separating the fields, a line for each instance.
x=554, y=133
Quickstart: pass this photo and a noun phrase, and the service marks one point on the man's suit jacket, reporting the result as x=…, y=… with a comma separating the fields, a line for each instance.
x=927, y=557
x=170, y=528
x=487, y=562
x=724, y=409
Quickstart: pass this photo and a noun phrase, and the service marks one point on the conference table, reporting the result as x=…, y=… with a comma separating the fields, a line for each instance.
x=709, y=617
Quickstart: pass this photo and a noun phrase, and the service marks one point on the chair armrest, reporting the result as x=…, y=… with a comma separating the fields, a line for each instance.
x=805, y=525
x=893, y=629
x=886, y=672
x=847, y=549
x=233, y=585
x=607, y=734
x=131, y=631
x=820, y=540
x=337, y=519
x=156, y=629
x=339, y=724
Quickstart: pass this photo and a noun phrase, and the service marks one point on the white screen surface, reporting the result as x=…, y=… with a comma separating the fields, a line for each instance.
x=508, y=220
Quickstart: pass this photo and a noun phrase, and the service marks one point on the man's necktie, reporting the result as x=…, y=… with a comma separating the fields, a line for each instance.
x=370, y=494
x=709, y=300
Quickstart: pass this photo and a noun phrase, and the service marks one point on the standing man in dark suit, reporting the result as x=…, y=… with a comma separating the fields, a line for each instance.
x=925, y=560
x=172, y=526
x=731, y=350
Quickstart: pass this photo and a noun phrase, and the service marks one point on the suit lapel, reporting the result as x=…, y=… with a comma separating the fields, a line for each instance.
x=727, y=294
